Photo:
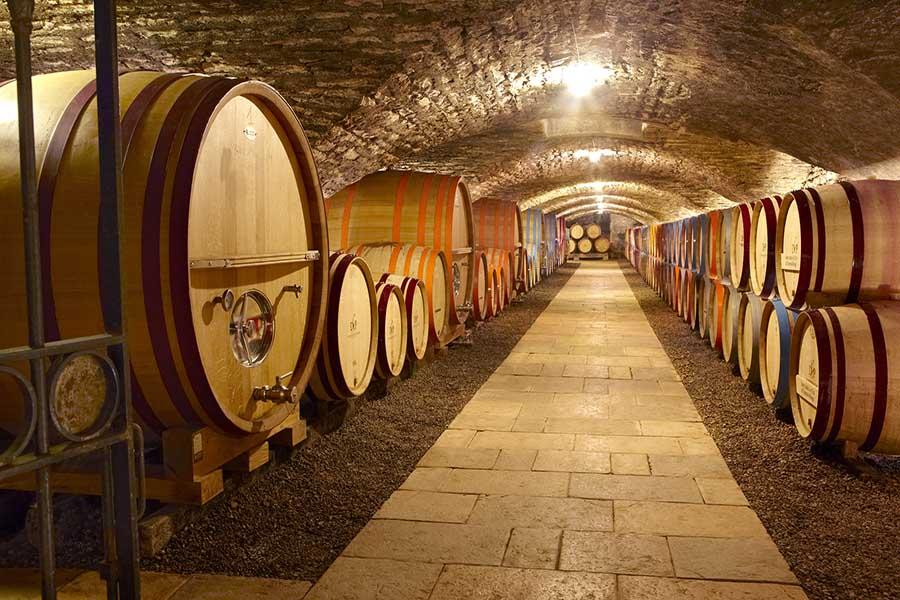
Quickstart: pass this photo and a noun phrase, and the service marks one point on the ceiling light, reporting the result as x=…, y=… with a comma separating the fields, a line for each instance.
x=581, y=77
x=594, y=155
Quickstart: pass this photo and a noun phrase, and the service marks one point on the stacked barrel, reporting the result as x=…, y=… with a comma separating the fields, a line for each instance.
x=799, y=293
x=499, y=244
x=587, y=240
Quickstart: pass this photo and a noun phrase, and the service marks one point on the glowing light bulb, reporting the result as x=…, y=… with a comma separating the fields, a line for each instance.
x=594, y=155
x=581, y=78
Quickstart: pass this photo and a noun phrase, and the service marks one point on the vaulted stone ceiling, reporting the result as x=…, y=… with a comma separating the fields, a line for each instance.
x=708, y=102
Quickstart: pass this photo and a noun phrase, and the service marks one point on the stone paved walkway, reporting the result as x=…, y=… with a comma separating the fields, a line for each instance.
x=579, y=471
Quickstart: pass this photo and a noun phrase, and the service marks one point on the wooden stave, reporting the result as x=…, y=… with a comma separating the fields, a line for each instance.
x=329, y=382
x=480, y=301
x=413, y=290
x=739, y=261
x=748, y=342
x=859, y=333
x=422, y=263
x=842, y=269
x=765, y=286
x=375, y=209
x=778, y=396
x=195, y=404
x=385, y=294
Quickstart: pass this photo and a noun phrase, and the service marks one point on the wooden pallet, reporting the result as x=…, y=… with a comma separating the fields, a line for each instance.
x=195, y=464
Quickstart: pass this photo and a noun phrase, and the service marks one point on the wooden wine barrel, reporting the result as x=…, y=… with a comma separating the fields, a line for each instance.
x=775, y=327
x=422, y=209
x=415, y=299
x=763, y=224
x=698, y=317
x=715, y=311
x=532, y=238
x=576, y=232
x=496, y=291
x=498, y=224
x=844, y=382
x=393, y=330
x=349, y=349
x=426, y=264
x=730, y=316
x=593, y=231
x=836, y=244
x=550, y=243
x=712, y=244
x=190, y=232
x=571, y=246
x=722, y=245
x=741, y=216
x=481, y=300
x=601, y=244
x=690, y=298
x=500, y=260
x=584, y=245
x=701, y=237
x=750, y=314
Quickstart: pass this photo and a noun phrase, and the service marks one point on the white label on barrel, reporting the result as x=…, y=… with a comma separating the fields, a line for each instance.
x=807, y=389
x=790, y=257
x=250, y=132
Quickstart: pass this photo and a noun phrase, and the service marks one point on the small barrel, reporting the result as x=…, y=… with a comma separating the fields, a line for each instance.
x=584, y=245
x=501, y=260
x=415, y=299
x=845, y=375
x=730, y=316
x=836, y=244
x=741, y=216
x=576, y=232
x=426, y=264
x=763, y=225
x=593, y=231
x=601, y=244
x=775, y=327
x=750, y=313
x=481, y=289
x=496, y=291
x=717, y=291
x=393, y=330
x=346, y=360
x=571, y=246
x=723, y=246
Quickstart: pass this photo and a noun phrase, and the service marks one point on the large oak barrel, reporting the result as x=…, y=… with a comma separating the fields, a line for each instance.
x=749, y=316
x=498, y=224
x=836, y=244
x=393, y=330
x=576, y=232
x=730, y=316
x=349, y=349
x=216, y=312
x=763, y=225
x=775, y=327
x=481, y=292
x=845, y=375
x=584, y=245
x=415, y=299
x=426, y=264
x=741, y=217
x=422, y=209
x=593, y=231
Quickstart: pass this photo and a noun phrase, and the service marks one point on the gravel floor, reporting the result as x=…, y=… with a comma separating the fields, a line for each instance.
x=840, y=532
x=294, y=519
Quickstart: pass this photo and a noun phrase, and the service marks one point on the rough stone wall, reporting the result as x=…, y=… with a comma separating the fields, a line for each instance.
x=747, y=97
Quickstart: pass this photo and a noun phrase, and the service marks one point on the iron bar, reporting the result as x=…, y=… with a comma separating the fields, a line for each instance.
x=91, y=342
x=27, y=463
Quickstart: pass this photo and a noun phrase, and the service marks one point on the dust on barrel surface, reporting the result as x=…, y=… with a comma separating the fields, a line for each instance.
x=216, y=312
x=347, y=357
x=844, y=382
x=422, y=209
x=835, y=244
